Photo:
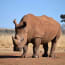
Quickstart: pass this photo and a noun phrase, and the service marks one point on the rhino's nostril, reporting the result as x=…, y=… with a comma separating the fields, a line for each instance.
x=15, y=36
x=22, y=39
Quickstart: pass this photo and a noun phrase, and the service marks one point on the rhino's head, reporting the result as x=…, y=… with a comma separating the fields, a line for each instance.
x=20, y=38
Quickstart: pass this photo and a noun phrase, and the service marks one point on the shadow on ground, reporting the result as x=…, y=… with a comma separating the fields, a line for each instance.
x=5, y=56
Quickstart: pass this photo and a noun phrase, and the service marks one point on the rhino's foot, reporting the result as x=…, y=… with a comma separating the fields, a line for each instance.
x=53, y=56
x=23, y=56
x=35, y=56
x=45, y=55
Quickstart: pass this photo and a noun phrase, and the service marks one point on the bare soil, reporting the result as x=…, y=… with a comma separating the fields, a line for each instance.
x=9, y=57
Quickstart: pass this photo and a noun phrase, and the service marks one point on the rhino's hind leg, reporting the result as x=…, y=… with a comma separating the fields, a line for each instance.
x=53, y=46
x=25, y=48
x=45, y=46
x=36, y=45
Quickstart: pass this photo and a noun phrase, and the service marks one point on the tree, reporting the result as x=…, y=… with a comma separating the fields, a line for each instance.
x=63, y=25
x=62, y=16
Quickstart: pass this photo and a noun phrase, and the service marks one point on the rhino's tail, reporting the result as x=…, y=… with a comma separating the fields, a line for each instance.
x=58, y=33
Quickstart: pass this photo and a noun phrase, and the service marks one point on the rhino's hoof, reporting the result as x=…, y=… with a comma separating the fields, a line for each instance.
x=53, y=56
x=23, y=56
x=45, y=55
x=35, y=56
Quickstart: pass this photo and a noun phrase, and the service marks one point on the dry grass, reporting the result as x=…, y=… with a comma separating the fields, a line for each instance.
x=6, y=41
x=61, y=41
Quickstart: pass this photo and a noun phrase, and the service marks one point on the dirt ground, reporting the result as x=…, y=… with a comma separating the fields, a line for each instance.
x=9, y=57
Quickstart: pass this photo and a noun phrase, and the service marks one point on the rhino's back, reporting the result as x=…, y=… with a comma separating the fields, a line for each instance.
x=41, y=26
x=50, y=28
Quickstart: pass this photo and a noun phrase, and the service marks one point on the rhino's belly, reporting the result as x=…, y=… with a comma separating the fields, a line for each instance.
x=48, y=36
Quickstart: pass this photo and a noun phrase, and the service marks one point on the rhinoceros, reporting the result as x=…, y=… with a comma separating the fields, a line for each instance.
x=36, y=30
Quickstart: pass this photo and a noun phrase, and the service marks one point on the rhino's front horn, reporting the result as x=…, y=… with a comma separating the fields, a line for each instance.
x=16, y=41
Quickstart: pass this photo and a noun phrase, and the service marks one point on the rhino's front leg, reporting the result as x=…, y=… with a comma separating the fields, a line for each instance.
x=45, y=46
x=36, y=45
x=25, y=48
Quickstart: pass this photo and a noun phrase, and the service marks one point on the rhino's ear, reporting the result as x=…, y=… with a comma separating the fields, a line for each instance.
x=24, y=24
x=18, y=26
